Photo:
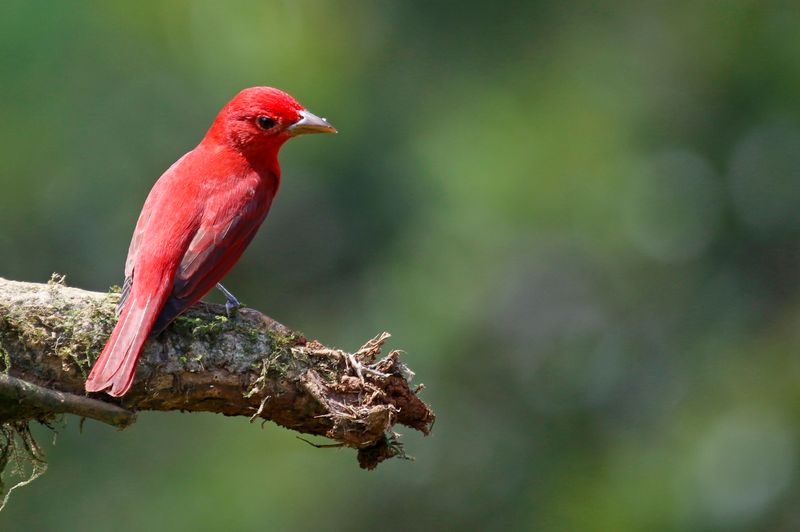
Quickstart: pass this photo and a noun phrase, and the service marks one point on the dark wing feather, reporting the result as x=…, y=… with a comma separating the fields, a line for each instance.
x=126, y=291
x=214, y=249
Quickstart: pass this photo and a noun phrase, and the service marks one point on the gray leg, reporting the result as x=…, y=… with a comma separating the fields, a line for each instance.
x=231, y=303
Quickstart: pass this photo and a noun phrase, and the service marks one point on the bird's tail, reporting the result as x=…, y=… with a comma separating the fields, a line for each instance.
x=116, y=365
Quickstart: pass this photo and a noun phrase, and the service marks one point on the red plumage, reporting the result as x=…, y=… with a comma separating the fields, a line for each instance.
x=197, y=221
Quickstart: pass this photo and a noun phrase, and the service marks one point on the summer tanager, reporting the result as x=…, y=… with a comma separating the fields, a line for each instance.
x=197, y=221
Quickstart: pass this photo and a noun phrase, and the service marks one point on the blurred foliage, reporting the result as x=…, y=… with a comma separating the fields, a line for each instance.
x=580, y=221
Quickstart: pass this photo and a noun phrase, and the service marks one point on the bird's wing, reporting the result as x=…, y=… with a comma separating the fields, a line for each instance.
x=133, y=249
x=217, y=245
x=139, y=231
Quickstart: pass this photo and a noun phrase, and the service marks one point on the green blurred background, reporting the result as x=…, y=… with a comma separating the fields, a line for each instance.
x=580, y=222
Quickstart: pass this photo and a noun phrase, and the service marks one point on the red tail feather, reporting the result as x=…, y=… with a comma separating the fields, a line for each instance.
x=117, y=363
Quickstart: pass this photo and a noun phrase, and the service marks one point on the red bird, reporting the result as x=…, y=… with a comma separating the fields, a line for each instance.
x=197, y=220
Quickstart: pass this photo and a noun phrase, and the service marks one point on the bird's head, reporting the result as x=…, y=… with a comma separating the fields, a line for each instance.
x=258, y=120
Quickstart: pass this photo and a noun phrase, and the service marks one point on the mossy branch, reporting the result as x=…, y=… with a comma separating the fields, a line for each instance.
x=245, y=365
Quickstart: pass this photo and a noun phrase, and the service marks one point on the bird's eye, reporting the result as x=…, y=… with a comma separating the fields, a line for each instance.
x=265, y=122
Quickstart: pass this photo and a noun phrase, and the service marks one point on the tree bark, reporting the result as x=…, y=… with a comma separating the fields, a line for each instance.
x=243, y=365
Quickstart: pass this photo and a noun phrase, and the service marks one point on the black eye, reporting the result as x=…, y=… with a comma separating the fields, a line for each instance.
x=265, y=122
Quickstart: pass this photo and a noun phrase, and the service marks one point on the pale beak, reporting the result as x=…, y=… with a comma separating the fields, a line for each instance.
x=310, y=123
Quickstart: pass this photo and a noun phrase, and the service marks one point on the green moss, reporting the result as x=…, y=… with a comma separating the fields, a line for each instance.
x=76, y=335
x=5, y=358
x=211, y=329
x=200, y=328
x=82, y=333
x=281, y=342
x=251, y=333
x=281, y=360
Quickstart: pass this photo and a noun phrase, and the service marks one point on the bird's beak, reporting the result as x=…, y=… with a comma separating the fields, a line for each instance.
x=310, y=123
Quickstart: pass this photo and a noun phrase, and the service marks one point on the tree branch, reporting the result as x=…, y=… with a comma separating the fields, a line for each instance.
x=245, y=365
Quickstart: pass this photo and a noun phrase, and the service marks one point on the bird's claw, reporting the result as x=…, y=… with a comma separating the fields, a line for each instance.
x=232, y=306
x=231, y=303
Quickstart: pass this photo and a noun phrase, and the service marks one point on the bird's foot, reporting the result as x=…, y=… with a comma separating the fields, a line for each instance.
x=231, y=307
x=231, y=303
